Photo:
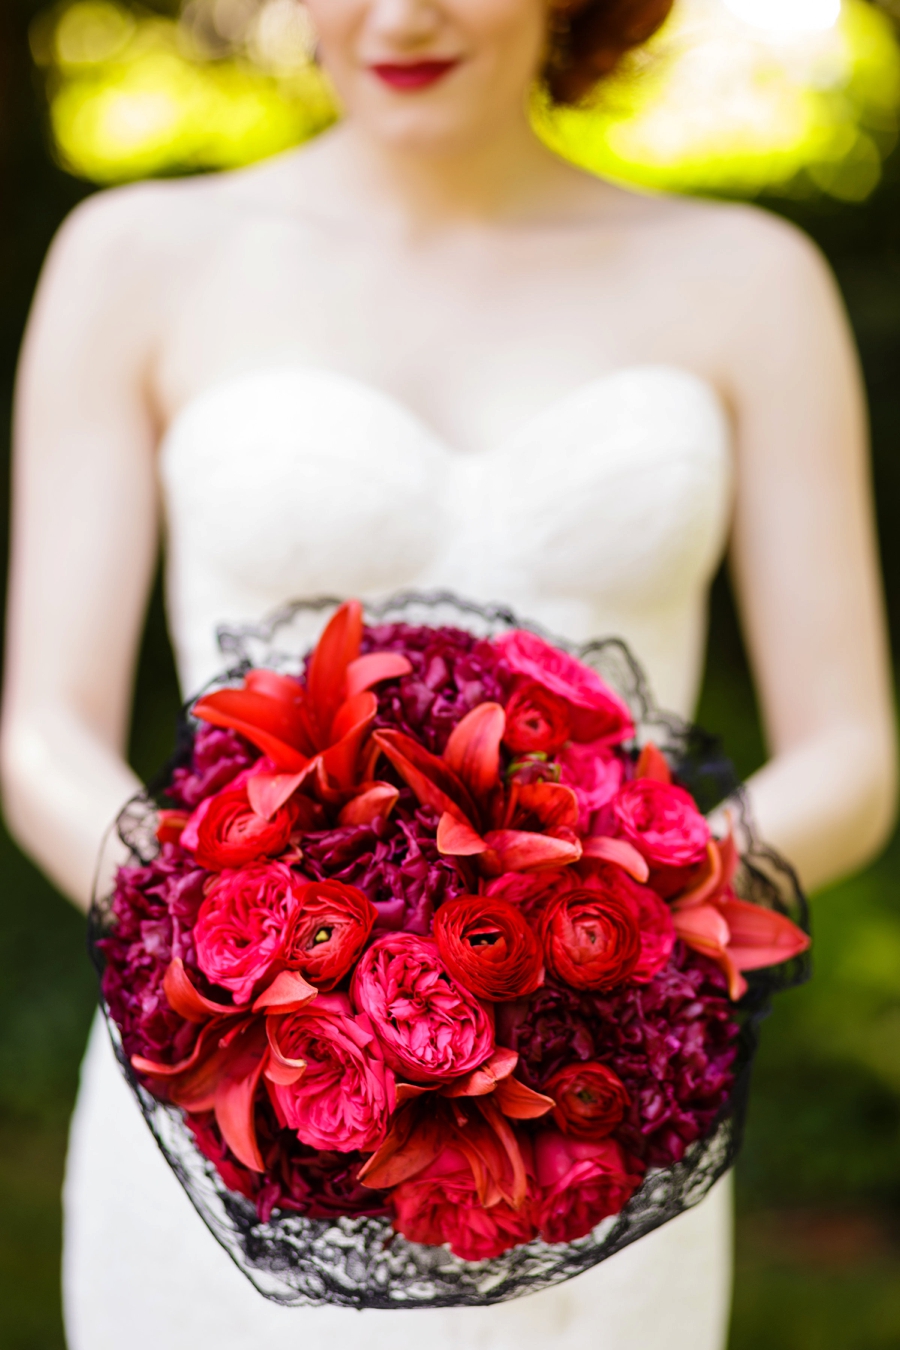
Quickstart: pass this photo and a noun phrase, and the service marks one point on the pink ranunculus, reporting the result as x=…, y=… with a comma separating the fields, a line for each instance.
x=654, y=918
x=431, y=1029
x=595, y=775
x=580, y=1183
x=597, y=713
x=662, y=822
x=343, y=1097
x=441, y=1205
x=241, y=924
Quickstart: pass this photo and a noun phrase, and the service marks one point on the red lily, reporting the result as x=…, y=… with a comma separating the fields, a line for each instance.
x=736, y=934
x=513, y=827
x=223, y=1070
x=479, y=1129
x=318, y=729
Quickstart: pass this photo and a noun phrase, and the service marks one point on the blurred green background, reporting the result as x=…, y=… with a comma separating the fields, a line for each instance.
x=818, y=1236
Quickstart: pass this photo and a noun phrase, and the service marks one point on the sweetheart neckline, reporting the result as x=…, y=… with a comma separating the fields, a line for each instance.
x=396, y=406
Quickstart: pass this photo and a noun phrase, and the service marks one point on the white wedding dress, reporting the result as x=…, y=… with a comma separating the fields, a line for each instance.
x=605, y=515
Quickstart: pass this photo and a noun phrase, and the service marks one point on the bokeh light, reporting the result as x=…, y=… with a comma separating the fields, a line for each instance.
x=737, y=97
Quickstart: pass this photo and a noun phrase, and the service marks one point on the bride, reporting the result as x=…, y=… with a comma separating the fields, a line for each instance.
x=423, y=351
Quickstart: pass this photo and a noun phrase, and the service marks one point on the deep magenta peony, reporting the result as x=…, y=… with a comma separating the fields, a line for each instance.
x=591, y=936
x=662, y=822
x=672, y=1043
x=580, y=1184
x=240, y=928
x=488, y=946
x=327, y=931
x=430, y=1027
x=441, y=1205
x=217, y=757
x=595, y=712
x=343, y=1096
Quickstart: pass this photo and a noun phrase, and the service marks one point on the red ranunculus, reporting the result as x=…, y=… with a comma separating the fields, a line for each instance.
x=590, y=1100
x=328, y=1079
x=327, y=931
x=662, y=822
x=441, y=1205
x=591, y=938
x=537, y=722
x=241, y=924
x=431, y=1028
x=654, y=918
x=226, y=832
x=580, y=1184
x=595, y=712
x=487, y=945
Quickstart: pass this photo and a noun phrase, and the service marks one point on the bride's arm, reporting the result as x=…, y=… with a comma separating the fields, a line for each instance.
x=804, y=561
x=84, y=541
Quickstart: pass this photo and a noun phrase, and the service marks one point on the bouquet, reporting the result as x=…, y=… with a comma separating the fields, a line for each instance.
x=427, y=969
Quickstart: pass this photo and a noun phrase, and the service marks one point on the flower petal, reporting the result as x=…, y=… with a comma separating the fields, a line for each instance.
x=652, y=763
x=554, y=804
x=349, y=728
x=377, y=800
x=759, y=936
x=372, y=669
x=236, y=1094
x=484, y=1079
x=457, y=839
x=519, y=1102
x=336, y=649
x=473, y=750
x=618, y=851
x=523, y=851
x=704, y=928
x=186, y=1000
x=434, y=782
x=287, y=993
x=267, y=792
x=275, y=728
x=413, y=1141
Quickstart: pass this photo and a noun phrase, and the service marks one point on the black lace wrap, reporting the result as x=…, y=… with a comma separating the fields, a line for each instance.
x=362, y=1262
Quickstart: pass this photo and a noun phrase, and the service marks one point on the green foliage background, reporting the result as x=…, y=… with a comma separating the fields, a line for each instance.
x=818, y=1237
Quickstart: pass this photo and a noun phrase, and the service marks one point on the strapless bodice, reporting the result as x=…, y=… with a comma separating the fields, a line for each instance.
x=604, y=515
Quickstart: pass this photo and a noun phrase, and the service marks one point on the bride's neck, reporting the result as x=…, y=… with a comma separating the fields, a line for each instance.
x=504, y=175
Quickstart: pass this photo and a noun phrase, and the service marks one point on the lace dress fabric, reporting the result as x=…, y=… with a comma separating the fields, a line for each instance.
x=607, y=514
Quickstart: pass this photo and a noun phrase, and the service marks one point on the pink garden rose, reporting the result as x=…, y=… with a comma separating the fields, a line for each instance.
x=431, y=1028
x=241, y=924
x=344, y=1096
x=580, y=1182
x=662, y=822
x=596, y=712
x=441, y=1205
x=595, y=775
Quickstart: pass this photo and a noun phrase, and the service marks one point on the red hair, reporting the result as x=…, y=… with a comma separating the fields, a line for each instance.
x=589, y=37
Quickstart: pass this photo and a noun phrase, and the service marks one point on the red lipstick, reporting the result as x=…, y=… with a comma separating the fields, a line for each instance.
x=412, y=75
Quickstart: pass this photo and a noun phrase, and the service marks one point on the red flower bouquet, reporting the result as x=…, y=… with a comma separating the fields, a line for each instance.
x=433, y=938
